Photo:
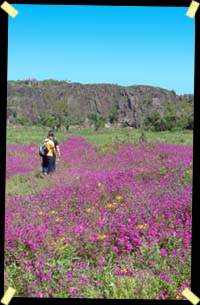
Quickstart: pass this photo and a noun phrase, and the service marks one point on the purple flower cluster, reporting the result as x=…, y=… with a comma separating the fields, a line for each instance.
x=21, y=159
x=125, y=210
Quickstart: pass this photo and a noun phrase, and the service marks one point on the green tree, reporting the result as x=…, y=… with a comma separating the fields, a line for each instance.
x=48, y=120
x=97, y=119
x=58, y=109
x=155, y=121
x=190, y=121
x=113, y=115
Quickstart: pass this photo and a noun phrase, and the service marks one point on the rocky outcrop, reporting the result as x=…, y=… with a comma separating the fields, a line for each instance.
x=127, y=105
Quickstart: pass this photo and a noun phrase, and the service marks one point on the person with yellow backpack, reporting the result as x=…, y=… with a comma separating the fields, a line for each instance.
x=48, y=153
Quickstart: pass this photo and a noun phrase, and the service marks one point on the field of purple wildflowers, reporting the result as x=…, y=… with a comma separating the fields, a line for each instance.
x=113, y=222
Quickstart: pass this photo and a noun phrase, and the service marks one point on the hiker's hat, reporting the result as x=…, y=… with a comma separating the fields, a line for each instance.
x=50, y=134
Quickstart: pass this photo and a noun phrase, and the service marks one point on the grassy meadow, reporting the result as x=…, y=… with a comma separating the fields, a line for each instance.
x=33, y=135
x=114, y=221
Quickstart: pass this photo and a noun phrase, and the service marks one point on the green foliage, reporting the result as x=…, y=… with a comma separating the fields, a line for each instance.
x=60, y=109
x=187, y=177
x=155, y=122
x=142, y=136
x=190, y=121
x=48, y=120
x=57, y=112
x=77, y=119
x=148, y=102
x=175, y=117
x=23, y=120
x=113, y=115
x=97, y=119
x=174, y=92
x=50, y=82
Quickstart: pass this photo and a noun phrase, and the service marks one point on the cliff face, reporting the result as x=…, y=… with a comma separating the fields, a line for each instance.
x=122, y=105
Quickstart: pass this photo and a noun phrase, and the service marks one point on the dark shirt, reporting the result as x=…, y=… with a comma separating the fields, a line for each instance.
x=55, y=142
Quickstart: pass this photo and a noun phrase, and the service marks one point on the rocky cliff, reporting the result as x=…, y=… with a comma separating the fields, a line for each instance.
x=122, y=105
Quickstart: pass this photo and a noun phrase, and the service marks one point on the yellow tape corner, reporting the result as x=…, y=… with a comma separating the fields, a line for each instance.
x=8, y=296
x=192, y=9
x=190, y=296
x=9, y=9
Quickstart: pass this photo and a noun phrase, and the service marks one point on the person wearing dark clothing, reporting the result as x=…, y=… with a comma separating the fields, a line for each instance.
x=48, y=158
x=56, y=157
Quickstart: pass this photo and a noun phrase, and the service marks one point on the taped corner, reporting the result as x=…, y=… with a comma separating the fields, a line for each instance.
x=190, y=296
x=9, y=9
x=8, y=295
x=192, y=9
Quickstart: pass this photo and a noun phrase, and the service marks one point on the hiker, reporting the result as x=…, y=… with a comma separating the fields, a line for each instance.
x=48, y=158
x=57, y=148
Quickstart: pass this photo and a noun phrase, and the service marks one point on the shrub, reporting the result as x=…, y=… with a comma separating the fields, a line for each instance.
x=97, y=119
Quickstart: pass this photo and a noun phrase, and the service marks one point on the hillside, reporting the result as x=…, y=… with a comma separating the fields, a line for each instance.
x=54, y=103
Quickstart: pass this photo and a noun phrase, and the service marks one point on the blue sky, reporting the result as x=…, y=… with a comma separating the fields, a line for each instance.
x=93, y=44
